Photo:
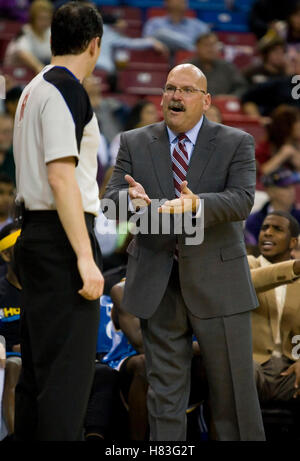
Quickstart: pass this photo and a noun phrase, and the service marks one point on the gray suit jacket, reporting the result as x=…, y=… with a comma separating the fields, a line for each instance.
x=214, y=276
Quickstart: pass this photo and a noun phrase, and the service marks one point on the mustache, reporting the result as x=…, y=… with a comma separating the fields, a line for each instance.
x=176, y=105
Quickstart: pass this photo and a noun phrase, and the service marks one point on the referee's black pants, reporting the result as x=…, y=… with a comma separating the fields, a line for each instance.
x=58, y=332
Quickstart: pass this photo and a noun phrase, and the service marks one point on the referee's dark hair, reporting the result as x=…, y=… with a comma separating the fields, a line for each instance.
x=73, y=26
x=294, y=226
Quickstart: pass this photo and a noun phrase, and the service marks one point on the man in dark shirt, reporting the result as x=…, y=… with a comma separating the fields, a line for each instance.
x=10, y=294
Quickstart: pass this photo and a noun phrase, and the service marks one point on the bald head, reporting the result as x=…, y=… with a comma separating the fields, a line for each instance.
x=187, y=99
x=192, y=71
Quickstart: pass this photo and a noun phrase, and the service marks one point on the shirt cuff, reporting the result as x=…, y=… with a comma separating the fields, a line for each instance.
x=198, y=212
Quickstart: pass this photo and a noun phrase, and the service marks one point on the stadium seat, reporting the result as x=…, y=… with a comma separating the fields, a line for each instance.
x=21, y=75
x=237, y=38
x=208, y=5
x=243, y=5
x=102, y=75
x=3, y=45
x=129, y=13
x=236, y=21
x=243, y=60
x=141, y=82
x=237, y=47
x=247, y=123
x=8, y=30
x=148, y=60
x=132, y=15
x=228, y=104
x=154, y=12
x=101, y=3
x=183, y=56
x=145, y=3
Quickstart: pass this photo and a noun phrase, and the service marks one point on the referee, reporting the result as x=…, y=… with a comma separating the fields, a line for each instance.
x=56, y=138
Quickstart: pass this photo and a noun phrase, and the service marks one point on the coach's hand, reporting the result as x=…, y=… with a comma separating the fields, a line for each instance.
x=137, y=193
x=93, y=281
x=188, y=201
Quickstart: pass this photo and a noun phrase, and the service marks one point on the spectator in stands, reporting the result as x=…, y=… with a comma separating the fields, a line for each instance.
x=110, y=112
x=273, y=62
x=267, y=96
x=223, y=78
x=214, y=114
x=3, y=431
x=32, y=47
x=114, y=38
x=7, y=164
x=133, y=370
x=142, y=113
x=175, y=29
x=277, y=319
x=291, y=32
x=102, y=415
x=281, y=188
x=14, y=10
x=282, y=144
x=10, y=301
x=11, y=100
x=269, y=13
x=7, y=195
x=293, y=35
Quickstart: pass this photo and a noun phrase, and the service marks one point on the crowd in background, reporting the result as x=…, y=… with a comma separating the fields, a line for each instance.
x=251, y=61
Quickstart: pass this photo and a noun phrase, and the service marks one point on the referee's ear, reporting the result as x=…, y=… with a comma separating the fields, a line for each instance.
x=94, y=46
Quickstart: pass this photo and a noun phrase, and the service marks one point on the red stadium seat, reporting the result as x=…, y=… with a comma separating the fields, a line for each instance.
x=132, y=16
x=243, y=60
x=129, y=13
x=237, y=38
x=156, y=11
x=228, y=104
x=20, y=75
x=133, y=31
x=183, y=56
x=9, y=29
x=147, y=60
x=141, y=82
x=103, y=76
x=3, y=45
x=247, y=123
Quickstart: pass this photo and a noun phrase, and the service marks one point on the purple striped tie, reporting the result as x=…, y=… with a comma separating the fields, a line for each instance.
x=180, y=162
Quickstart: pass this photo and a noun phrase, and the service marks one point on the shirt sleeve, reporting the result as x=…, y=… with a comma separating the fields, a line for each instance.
x=58, y=128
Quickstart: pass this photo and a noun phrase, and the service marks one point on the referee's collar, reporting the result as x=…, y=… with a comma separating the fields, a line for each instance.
x=66, y=69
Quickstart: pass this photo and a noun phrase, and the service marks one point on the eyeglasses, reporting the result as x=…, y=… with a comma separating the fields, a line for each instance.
x=185, y=91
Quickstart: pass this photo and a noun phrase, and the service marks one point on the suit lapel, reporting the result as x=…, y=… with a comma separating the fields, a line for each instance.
x=160, y=154
x=202, y=153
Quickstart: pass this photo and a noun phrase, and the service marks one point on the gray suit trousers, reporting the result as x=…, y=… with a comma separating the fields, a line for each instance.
x=226, y=347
